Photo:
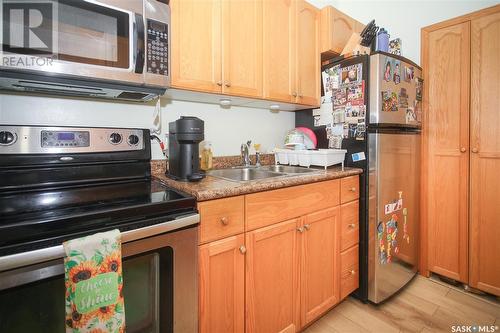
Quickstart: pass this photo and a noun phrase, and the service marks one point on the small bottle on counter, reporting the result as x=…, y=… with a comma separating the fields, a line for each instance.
x=206, y=157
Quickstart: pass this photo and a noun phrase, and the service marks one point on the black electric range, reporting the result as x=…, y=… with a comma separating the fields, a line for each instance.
x=59, y=183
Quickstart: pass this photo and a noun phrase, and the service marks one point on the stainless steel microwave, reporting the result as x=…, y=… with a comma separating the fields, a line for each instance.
x=86, y=48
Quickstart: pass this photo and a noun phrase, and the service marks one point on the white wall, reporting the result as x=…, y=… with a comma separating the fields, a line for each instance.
x=227, y=129
x=405, y=18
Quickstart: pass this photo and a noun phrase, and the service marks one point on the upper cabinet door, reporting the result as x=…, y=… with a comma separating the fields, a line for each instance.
x=485, y=154
x=307, y=54
x=242, y=47
x=279, y=49
x=196, y=45
x=446, y=63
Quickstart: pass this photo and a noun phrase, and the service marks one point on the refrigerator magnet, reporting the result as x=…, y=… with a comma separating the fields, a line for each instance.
x=387, y=71
x=409, y=73
x=356, y=157
x=410, y=115
x=403, y=98
x=396, y=77
x=419, y=87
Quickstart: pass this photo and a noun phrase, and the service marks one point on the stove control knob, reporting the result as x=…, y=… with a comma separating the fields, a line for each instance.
x=7, y=138
x=115, y=138
x=133, y=139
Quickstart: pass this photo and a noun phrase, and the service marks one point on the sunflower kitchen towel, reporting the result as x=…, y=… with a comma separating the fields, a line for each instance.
x=94, y=282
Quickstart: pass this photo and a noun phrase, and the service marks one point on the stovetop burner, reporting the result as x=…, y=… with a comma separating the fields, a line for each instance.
x=35, y=219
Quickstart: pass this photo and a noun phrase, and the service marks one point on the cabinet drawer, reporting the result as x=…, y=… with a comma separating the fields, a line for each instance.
x=265, y=208
x=349, y=272
x=221, y=218
x=349, y=225
x=349, y=189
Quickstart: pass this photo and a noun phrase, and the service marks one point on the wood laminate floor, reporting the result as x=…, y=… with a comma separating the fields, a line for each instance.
x=424, y=306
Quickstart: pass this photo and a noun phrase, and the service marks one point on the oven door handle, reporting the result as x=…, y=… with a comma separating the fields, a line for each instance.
x=56, y=252
x=139, y=43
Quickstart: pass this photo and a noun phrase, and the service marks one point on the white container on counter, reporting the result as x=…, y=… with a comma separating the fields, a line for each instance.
x=306, y=158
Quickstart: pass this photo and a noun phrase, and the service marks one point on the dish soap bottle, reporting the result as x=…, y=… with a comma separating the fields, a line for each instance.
x=206, y=157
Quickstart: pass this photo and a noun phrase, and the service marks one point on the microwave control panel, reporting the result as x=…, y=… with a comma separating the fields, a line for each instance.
x=157, y=44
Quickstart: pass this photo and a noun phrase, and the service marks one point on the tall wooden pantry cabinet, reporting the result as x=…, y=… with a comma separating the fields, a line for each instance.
x=461, y=142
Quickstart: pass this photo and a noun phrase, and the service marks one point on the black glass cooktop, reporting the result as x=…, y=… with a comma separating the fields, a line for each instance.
x=36, y=219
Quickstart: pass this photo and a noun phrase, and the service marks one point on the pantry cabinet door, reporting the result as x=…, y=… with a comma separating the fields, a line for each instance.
x=196, y=45
x=222, y=285
x=485, y=154
x=446, y=75
x=272, y=270
x=242, y=47
x=278, y=19
x=307, y=61
x=320, y=270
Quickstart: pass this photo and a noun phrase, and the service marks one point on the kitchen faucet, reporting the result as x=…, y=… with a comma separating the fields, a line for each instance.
x=245, y=155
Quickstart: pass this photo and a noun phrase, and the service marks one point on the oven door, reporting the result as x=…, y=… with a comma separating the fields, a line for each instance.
x=95, y=39
x=160, y=287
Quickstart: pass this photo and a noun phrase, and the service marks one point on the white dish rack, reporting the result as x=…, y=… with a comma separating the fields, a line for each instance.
x=306, y=158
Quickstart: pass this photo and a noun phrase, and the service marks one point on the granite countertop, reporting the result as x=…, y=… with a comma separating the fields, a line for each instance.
x=215, y=188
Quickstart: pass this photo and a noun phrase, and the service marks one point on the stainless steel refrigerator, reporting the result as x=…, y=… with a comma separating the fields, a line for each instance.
x=376, y=106
x=393, y=133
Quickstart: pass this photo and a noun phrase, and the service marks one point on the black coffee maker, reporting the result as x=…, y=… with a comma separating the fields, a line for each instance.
x=184, y=136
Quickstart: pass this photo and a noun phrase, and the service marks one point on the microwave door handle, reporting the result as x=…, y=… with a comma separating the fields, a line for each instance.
x=139, y=42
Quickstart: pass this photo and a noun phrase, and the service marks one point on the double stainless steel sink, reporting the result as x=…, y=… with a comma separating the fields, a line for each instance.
x=244, y=174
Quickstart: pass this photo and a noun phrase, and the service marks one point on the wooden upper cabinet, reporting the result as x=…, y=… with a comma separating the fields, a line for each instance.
x=272, y=272
x=222, y=286
x=336, y=29
x=319, y=276
x=307, y=54
x=446, y=63
x=485, y=154
x=196, y=45
x=242, y=47
x=278, y=19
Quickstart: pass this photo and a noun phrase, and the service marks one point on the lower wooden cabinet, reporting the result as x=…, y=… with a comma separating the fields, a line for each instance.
x=222, y=285
x=272, y=271
x=349, y=271
x=319, y=279
x=279, y=277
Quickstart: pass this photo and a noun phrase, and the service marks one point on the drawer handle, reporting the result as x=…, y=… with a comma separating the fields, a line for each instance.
x=352, y=226
x=352, y=189
x=243, y=249
x=224, y=220
x=300, y=229
x=307, y=226
x=353, y=272
x=219, y=83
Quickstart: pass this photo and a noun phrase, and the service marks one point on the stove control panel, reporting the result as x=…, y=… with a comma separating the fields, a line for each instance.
x=65, y=139
x=57, y=140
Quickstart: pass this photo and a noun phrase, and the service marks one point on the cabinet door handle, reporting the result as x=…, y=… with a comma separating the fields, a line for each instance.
x=475, y=150
x=224, y=220
x=227, y=84
x=300, y=229
x=243, y=249
x=352, y=225
x=353, y=272
x=463, y=150
x=307, y=226
x=219, y=83
x=352, y=189
x=294, y=94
